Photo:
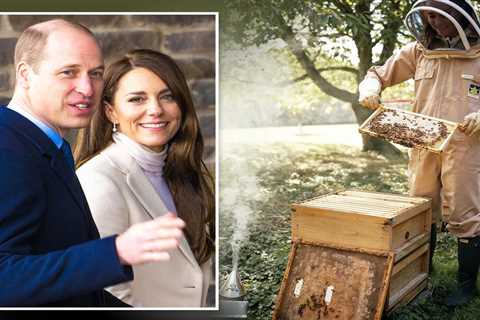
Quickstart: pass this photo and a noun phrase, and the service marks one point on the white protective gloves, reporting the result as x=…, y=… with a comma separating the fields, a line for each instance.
x=369, y=93
x=471, y=124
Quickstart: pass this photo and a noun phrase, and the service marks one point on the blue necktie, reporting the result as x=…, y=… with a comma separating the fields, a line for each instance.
x=67, y=152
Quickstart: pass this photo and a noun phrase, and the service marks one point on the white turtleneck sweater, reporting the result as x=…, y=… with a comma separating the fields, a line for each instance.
x=151, y=163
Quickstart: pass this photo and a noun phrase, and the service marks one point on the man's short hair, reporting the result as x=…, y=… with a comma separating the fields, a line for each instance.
x=31, y=43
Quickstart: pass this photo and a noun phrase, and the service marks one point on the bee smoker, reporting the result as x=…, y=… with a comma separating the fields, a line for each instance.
x=232, y=294
x=232, y=288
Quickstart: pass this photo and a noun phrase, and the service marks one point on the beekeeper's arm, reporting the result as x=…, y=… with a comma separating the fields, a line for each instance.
x=471, y=123
x=398, y=68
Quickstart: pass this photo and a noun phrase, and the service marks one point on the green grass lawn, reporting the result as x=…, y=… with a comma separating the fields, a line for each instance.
x=257, y=187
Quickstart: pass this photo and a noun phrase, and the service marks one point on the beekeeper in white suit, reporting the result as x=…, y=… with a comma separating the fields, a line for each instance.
x=445, y=64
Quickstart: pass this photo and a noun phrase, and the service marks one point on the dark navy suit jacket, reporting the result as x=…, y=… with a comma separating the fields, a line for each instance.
x=50, y=251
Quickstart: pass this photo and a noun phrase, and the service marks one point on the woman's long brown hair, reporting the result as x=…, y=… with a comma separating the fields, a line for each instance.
x=189, y=180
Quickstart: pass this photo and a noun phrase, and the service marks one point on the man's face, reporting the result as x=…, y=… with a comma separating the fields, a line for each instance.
x=65, y=87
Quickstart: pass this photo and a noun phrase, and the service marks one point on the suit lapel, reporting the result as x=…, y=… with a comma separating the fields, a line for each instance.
x=144, y=191
x=63, y=170
x=67, y=175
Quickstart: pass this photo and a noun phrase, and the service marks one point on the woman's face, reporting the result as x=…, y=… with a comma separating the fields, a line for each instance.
x=144, y=109
x=439, y=22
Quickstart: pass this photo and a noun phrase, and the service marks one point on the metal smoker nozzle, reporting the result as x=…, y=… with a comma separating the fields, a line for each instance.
x=232, y=288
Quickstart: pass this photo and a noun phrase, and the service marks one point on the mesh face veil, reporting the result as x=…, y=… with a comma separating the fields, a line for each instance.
x=444, y=24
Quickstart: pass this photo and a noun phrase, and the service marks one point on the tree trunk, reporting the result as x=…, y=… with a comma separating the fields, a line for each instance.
x=371, y=143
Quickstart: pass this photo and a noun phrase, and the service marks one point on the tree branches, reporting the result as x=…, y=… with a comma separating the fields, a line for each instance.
x=308, y=65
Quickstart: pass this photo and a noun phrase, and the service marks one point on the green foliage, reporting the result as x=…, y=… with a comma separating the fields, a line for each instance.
x=295, y=57
x=305, y=103
x=285, y=174
x=257, y=89
x=364, y=22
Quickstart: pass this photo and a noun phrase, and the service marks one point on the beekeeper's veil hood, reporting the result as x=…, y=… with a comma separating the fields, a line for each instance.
x=444, y=24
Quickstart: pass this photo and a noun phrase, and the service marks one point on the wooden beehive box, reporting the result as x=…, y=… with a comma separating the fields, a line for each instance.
x=372, y=222
x=408, y=278
x=366, y=220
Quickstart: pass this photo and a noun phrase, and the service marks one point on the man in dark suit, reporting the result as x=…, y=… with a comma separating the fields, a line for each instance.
x=50, y=251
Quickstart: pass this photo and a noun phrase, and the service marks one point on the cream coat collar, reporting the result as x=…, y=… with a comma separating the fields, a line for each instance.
x=143, y=190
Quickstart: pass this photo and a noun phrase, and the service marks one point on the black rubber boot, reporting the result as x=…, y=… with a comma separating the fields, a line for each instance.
x=468, y=263
x=433, y=244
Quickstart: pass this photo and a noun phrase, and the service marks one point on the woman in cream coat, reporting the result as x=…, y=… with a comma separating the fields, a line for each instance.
x=141, y=158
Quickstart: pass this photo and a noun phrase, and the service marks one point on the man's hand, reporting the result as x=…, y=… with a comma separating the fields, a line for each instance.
x=149, y=241
x=471, y=124
x=369, y=93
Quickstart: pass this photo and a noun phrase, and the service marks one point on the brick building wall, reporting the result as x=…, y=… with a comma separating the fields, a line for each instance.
x=189, y=39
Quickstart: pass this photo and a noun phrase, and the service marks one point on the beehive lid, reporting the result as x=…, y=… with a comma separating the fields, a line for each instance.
x=373, y=204
x=409, y=129
x=327, y=283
